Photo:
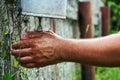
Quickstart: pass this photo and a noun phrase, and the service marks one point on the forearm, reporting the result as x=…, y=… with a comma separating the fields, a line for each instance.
x=103, y=51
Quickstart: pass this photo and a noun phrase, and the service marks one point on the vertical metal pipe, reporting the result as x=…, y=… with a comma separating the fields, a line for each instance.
x=86, y=31
x=105, y=13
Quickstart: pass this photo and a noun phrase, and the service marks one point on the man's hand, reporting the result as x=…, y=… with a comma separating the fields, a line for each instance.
x=38, y=49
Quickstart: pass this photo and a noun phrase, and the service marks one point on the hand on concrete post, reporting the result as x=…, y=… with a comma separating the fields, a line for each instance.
x=39, y=49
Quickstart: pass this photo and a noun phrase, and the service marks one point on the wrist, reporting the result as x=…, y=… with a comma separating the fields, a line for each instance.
x=66, y=49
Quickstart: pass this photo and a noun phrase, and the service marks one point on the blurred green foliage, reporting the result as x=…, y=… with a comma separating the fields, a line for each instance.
x=115, y=13
x=77, y=74
x=107, y=73
x=7, y=77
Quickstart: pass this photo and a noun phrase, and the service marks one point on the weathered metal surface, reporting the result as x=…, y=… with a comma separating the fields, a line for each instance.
x=44, y=8
x=105, y=13
x=86, y=30
x=95, y=10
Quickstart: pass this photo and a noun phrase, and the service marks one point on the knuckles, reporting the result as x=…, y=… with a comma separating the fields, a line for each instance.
x=42, y=46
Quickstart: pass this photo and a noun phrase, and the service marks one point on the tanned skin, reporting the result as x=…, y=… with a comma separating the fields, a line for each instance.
x=39, y=49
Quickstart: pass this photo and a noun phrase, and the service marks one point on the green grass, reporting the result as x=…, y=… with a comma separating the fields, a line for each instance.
x=102, y=73
x=107, y=73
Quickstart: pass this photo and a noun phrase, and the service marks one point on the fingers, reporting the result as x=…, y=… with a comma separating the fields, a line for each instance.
x=30, y=62
x=27, y=59
x=36, y=34
x=29, y=65
x=21, y=52
x=22, y=44
x=30, y=34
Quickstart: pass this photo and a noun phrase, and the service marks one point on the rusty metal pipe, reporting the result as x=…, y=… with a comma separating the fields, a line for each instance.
x=105, y=14
x=86, y=31
x=85, y=19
